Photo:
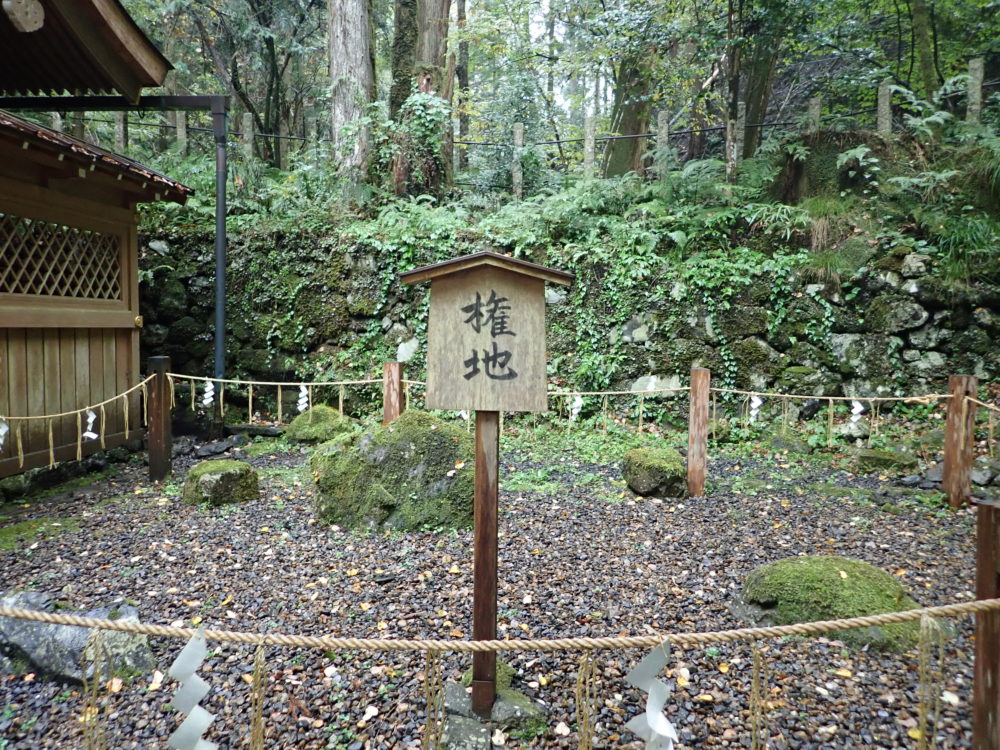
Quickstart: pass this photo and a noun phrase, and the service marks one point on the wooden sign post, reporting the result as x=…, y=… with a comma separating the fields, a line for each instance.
x=486, y=352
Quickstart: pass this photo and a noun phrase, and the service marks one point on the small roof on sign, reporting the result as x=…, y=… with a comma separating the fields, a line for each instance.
x=496, y=260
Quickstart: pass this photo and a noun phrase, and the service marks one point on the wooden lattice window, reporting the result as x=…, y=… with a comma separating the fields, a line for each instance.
x=48, y=259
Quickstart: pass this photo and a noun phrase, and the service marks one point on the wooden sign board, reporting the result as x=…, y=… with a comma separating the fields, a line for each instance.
x=486, y=333
x=486, y=342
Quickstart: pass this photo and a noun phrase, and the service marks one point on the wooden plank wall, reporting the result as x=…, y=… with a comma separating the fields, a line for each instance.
x=48, y=371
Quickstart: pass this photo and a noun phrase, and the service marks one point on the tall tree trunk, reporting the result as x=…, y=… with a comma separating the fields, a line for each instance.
x=352, y=74
x=925, y=47
x=629, y=116
x=432, y=75
x=758, y=77
x=462, y=74
x=404, y=53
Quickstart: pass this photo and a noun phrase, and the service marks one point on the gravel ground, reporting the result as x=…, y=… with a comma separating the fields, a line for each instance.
x=579, y=555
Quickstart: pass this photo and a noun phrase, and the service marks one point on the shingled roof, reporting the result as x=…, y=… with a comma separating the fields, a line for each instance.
x=33, y=139
x=83, y=47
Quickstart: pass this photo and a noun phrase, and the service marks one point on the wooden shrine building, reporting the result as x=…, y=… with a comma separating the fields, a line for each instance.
x=69, y=307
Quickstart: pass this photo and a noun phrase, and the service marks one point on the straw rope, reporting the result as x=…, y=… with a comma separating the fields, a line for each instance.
x=267, y=382
x=257, y=693
x=74, y=412
x=561, y=394
x=758, y=689
x=924, y=399
x=434, y=699
x=94, y=730
x=586, y=699
x=977, y=402
x=931, y=671
x=553, y=644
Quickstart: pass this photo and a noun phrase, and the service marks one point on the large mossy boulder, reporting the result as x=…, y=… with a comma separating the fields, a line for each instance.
x=659, y=472
x=413, y=473
x=827, y=587
x=893, y=462
x=63, y=652
x=220, y=482
x=318, y=424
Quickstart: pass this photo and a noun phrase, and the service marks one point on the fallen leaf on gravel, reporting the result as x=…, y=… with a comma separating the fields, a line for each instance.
x=247, y=678
x=499, y=738
x=365, y=606
x=382, y=625
x=88, y=714
x=30, y=677
x=561, y=729
x=353, y=572
x=157, y=682
x=704, y=698
x=454, y=569
x=227, y=600
x=115, y=685
x=456, y=633
x=683, y=677
x=843, y=673
x=913, y=734
x=724, y=668
x=196, y=620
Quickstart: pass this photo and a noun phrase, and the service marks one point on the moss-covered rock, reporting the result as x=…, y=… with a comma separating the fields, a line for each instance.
x=804, y=589
x=757, y=363
x=660, y=472
x=415, y=472
x=743, y=320
x=785, y=442
x=807, y=381
x=318, y=424
x=220, y=482
x=871, y=459
x=890, y=313
x=505, y=676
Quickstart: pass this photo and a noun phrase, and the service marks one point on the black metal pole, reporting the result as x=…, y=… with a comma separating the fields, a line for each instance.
x=220, y=108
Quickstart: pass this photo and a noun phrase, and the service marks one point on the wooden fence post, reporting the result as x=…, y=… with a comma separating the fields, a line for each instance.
x=814, y=113
x=662, y=144
x=516, y=174
x=986, y=681
x=247, y=135
x=959, y=431
x=884, y=121
x=159, y=435
x=392, y=391
x=589, y=134
x=182, y=132
x=740, y=136
x=975, y=98
x=701, y=379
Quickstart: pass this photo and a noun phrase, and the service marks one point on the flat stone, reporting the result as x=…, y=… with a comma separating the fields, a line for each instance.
x=914, y=265
x=512, y=711
x=219, y=447
x=935, y=473
x=255, y=430
x=462, y=733
x=406, y=349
